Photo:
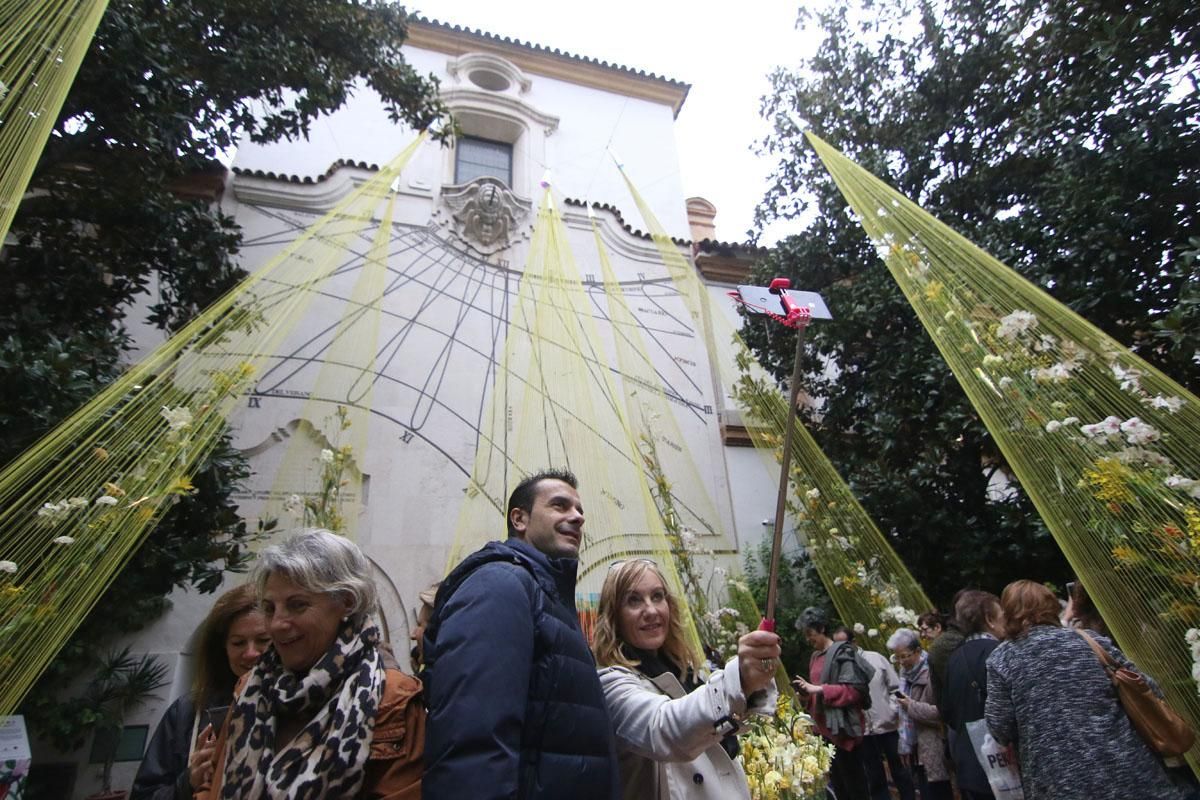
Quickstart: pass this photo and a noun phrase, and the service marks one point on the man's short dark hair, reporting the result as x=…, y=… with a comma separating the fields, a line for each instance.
x=523, y=496
x=843, y=629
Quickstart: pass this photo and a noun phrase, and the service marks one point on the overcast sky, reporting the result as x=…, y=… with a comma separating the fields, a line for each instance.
x=724, y=51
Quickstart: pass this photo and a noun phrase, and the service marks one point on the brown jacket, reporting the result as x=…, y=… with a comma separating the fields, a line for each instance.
x=397, y=746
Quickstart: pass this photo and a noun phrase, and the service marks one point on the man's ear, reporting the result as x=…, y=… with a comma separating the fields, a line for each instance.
x=519, y=519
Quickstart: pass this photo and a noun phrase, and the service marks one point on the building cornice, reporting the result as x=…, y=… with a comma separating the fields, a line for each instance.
x=430, y=34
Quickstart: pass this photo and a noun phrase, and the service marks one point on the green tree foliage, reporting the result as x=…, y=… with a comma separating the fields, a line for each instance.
x=108, y=229
x=1059, y=136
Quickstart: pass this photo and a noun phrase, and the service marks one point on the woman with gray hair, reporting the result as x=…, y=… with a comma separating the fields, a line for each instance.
x=922, y=740
x=322, y=714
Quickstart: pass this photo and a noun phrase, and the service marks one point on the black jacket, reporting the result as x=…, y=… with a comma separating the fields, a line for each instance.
x=962, y=701
x=163, y=774
x=515, y=705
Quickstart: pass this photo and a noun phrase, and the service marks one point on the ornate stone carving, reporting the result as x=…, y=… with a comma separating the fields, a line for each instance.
x=485, y=214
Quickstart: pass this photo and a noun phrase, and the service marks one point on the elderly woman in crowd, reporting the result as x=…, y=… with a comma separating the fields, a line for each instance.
x=324, y=714
x=921, y=734
x=675, y=735
x=1048, y=693
x=965, y=693
x=228, y=643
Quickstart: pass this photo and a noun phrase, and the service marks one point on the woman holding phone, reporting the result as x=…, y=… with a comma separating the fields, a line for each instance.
x=921, y=733
x=180, y=757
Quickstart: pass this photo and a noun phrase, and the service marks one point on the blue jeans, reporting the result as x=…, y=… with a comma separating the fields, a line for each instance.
x=882, y=746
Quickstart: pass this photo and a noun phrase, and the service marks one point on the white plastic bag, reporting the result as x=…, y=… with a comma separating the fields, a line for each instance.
x=999, y=762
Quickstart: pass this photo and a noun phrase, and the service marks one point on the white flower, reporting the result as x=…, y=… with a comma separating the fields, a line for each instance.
x=293, y=504
x=78, y=502
x=1059, y=373
x=873, y=633
x=1016, y=323
x=1052, y=426
x=837, y=581
x=326, y=456
x=1192, y=636
x=63, y=540
x=8, y=566
x=859, y=628
x=106, y=500
x=833, y=531
x=991, y=360
x=1006, y=382
x=1129, y=379
x=1171, y=404
x=687, y=538
x=1137, y=432
x=1109, y=426
x=813, y=494
x=177, y=418
x=1183, y=484
x=1139, y=455
x=719, y=572
x=1071, y=421
x=53, y=510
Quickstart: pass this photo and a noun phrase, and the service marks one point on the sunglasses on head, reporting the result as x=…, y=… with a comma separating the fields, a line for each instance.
x=617, y=564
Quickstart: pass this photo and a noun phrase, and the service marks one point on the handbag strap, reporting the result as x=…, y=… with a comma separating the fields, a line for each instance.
x=1106, y=660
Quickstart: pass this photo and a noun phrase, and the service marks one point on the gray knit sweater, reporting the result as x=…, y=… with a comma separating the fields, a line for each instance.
x=1048, y=693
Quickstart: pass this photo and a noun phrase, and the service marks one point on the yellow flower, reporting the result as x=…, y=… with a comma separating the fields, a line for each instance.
x=1109, y=481
x=1126, y=554
x=181, y=485
x=113, y=490
x=933, y=292
x=1191, y=515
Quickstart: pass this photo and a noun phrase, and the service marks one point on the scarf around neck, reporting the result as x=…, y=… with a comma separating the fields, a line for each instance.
x=338, y=698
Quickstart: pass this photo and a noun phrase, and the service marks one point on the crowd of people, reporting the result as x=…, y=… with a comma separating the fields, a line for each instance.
x=1020, y=665
x=296, y=695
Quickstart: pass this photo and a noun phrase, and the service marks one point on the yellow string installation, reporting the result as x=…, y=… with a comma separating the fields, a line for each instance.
x=868, y=583
x=77, y=503
x=41, y=47
x=555, y=403
x=1107, y=446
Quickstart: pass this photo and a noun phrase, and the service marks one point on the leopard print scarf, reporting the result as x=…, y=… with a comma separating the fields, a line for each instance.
x=339, y=697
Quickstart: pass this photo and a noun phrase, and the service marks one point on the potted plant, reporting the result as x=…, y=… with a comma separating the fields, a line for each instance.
x=120, y=685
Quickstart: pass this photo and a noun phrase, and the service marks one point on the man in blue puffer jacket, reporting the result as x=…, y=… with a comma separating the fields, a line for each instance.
x=515, y=705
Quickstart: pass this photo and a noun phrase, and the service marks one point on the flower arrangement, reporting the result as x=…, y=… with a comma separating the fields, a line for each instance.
x=323, y=507
x=133, y=487
x=1102, y=442
x=783, y=758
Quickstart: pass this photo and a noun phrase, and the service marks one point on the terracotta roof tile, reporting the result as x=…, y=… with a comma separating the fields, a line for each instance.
x=554, y=51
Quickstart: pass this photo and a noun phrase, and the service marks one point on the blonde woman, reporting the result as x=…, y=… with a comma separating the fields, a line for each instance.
x=675, y=734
